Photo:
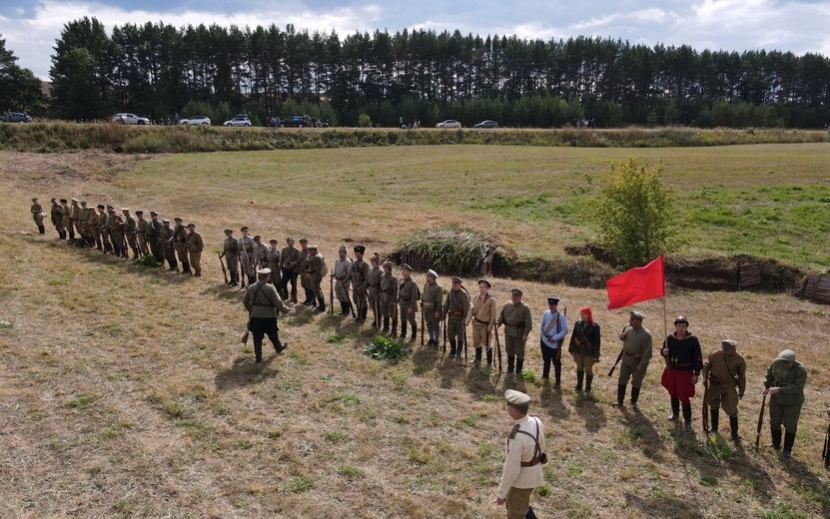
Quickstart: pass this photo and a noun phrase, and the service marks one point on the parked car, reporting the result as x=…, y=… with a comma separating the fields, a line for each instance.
x=196, y=120
x=296, y=121
x=130, y=119
x=487, y=124
x=449, y=123
x=16, y=117
x=239, y=120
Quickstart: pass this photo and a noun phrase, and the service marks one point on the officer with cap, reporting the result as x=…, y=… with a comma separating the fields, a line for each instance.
x=388, y=296
x=166, y=241
x=180, y=243
x=230, y=251
x=154, y=237
x=56, y=217
x=264, y=304
x=408, y=296
x=341, y=273
x=784, y=383
x=195, y=245
x=289, y=256
x=38, y=215
x=246, y=255
x=725, y=370
x=684, y=362
x=131, y=232
x=553, y=329
x=636, y=354
x=315, y=264
x=141, y=233
x=483, y=317
x=524, y=457
x=360, y=283
x=273, y=260
x=517, y=321
x=456, y=309
x=66, y=221
x=431, y=297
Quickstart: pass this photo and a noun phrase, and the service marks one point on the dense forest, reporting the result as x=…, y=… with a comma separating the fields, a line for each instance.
x=157, y=70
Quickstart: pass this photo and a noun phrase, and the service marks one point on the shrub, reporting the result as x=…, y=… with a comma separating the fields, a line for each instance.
x=364, y=121
x=387, y=348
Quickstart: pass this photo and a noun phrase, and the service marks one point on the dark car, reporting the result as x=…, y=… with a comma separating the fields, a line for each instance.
x=296, y=121
x=487, y=124
x=16, y=117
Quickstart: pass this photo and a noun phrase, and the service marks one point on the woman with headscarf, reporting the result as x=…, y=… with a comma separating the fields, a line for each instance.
x=584, y=347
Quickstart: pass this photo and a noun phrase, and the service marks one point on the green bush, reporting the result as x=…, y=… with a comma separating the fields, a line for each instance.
x=148, y=261
x=387, y=348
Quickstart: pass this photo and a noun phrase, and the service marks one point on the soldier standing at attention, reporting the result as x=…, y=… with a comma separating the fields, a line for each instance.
x=584, y=347
x=431, y=305
x=180, y=244
x=57, y=218
x=273, y=261
x=246, y=255
x=341, y=273
x=38, y=215
x=154, y=238
x=288, y=268
x=554, y=328
x=195, y=245
x=517, y=321
x=102, y=239
x=300, y=266
x=230, y=252
x=66, y=220
x=116, y=223
x=108, y=227
x=784, y=383
x=684, y=361
x=130, y=231
x=75, y=215
x=166, y=241
x=388, y=295
x=260, y=253
x=373, y=282
x=724, y=371
x=91, y=225
x=360, y=283
x=314, y=276
x=523, y=458
x=456, y=308
x=483, y=316
x=141, y=232
x=264, y=304
x=82, y=223
x=636, y=354
x=408, y=295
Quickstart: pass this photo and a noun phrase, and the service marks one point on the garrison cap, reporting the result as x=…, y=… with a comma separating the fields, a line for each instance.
x=553, y=300
x=177, y=219
x=303, y=240
x=263, y=272
x=681, y=319
x=312, y=247
x=516, y=397
x=165, y=220
x=101, y=206
x=729, y=344
x=788, y=355
x=389, y=265
x=257, y=237
x=244, y=228
x=272, y=240
x=360, y=248
x=480, y=281
x=139, y=212
x=75, y=200
x=228, y=231
x=431, y=273
x=634, y=314
x=63, y=200
x=375, y=258
x=153, y=213
x=83, y=202
x=406, y=266
x=289, y=239
x=35, y=199
x=456, y=279
x=516, y=292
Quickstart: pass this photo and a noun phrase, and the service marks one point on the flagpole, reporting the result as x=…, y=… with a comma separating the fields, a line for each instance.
x=665, y=319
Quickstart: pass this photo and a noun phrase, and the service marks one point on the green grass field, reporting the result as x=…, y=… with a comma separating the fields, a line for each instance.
x=125, y=391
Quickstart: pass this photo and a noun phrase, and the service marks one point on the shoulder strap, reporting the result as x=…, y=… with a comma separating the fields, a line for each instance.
x=538, y=451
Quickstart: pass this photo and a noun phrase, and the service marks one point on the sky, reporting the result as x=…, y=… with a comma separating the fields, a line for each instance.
x=30, y=27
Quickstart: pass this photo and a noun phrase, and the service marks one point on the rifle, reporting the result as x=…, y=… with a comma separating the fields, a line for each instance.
x=422, y=326
x=705, y=410
x=444, y=347
x=619, y=358
x=464, y=336
x=224, y=272
x=826, y=452
x=242, y=274
x=331, y=295
x=498, y=347
x=760, y=421
x=349, y=299
x=395, y=317
x=561, y=342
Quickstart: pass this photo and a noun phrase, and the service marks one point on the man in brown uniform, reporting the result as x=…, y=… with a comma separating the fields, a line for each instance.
x=456, y=308
x=57, y=218
x=373, y=289
x=483, y=317
x=38, y=215
x=230, y=252
x=724, y=371
x=82, y=223
x=130, y=231
x=195, y=245
x=408, y=296
x=432, y=297
x=75, y=216
x=289, y=267
x=106, y=241
x=784, y=383
x=116, y=228
x=180, y=244
x=90, y=224
x=260, y=253
x=301, y=265
x=517, y=321
x=342, y=275
x=166, y=244
x=314, y=276
x=98, y=228
x=636, y=354
x=246, y=255
x=66, y=221
x=154, y=238
x=264, y=304
x=388, y=297
x=360, y=283
x=141, y=233
x=273, y=260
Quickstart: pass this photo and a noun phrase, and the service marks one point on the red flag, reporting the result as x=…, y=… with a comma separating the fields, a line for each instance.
x=637, y=284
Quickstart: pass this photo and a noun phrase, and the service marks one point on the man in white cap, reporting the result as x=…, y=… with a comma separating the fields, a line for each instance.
x=360, y=283
x=636, y=354
x=431, y=297
x=524, y=457
x=342, y=275
x=723, y=373
x=264, y=304
x=784, y=383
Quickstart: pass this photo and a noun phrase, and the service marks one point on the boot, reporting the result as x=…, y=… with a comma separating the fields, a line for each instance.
x=343, y=309
x=675, y=409
x=579, y=376
x=635, y=395
x=41, y=229
x=620, y=396
x=776, y=438
x=733, y=424
x=588, y=380
x=280, y=347
x=510, y=364
x=321, y=305
x=489, y=358
x=235, y=279
x=519, y=363
x=687, y=415
x=789, y=440
x=403, y=329
x=461, y=346
x=385, y=325
x=452, y=347
x=477, y=359
x=530, y=513
x=414, y=333
x=714, y=418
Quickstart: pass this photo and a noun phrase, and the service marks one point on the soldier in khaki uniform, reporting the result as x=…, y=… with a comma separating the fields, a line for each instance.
x=75, y=216
x=57, y=218
x=116, y=228
x=91, y=225
x=408, y=296
x=360, y=283
x=230, y=251
x=301, y=265
x=260, y=253
x=483, y=317
x=273, y=260
x=373, y=290
x=38, y=215
x=289, y=267
x=314, y=276
x=166, y=242
x=195, y=245
x=432, y=297
x=264, y=304
x=103, y=218
x=82, y=223
x=342, y=276
x=246, y=255
x=636, y=354
x=154, y=239
x=141, y=233
x=456, y=309
x=724, y=371
x=130, y=231
x=389, y=297
x=98, y=227
x=784, y=383
x=66, y=221
x=517, y=321
x=180, y=244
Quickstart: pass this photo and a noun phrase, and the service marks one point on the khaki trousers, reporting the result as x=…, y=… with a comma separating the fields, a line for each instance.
x=518, y=502
x=584, y=363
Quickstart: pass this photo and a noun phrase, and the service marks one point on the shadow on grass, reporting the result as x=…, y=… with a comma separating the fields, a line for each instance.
x=809, y=486
x=662, y=504
x=642, y=433
x=551, y=400
x=245, y=372
x=424, y=359
x=158, y=273
x=590, y=412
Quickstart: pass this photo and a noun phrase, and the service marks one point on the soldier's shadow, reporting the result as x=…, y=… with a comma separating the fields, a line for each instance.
x=591, y=413
x=245, y=371
x=424, y=359
x=642, y=432
x=450, y=369
x=479, y=381
x=811, y=483
x=551, y=400
x=663, y=506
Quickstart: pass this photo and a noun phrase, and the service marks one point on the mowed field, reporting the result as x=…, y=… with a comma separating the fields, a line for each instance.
x=125, y=391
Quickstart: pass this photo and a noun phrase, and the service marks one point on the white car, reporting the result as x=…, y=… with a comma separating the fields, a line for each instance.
x=239, y=120
x=130, y=119
x=449, y=123
x=196, y=120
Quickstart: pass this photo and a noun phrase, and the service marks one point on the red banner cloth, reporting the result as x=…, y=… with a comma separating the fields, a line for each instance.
x=637, y=284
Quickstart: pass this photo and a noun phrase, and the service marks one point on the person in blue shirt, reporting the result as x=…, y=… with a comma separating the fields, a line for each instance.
x=554, y=328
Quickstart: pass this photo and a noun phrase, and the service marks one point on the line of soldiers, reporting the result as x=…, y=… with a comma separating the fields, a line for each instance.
x=102, y=228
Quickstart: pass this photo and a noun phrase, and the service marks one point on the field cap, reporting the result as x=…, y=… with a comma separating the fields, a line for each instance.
x=516, y=397
x=635, y=314
x=312, y=247
x=303, y=240
x=272, y=240
x=35, y=199
x=456, y=279
x=153, y=213
x=289, y=239
x=75, y=200
x=389, y=265
x=139, y=212
x=228, y=231
x=360, y=248
x=263, y=272
x=244, y=228
x=516, y=292
x=788, y=355
x=177, y=219
x=480, y=281
x=431, y=273
x=728, y=344
x=257, y=237
x=165, y=220
x=553, y=300
x=191, y=226
x=375, y=258
x=342, y=248
x=405, y=266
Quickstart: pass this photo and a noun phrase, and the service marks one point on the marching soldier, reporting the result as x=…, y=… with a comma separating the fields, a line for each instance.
x=314, y=276
x=785, y=381
x=636, y=354
x=57, y=218
x=373, y=282
x=230, y=252
x=66, y=221
x=141, y=233
x=154, y=239
x=341, y=273
x=684, y=361
x=553, y=328
x=38, y=215
x=724, y=371
x=130, y=231
x=195, y=245
x=273, y=260
x=456, y=309
x=408, y=295
x=246, y=255
x=264, y=304
x=289, y=266
x=360, y=283
x=483, y=317
x=388, y=296
x=180, y=244
x=517, y=321
x=166, y=243
x=585, y=348
x=432, y=297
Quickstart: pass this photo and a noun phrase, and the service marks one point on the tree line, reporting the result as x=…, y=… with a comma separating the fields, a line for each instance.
x=157, y=70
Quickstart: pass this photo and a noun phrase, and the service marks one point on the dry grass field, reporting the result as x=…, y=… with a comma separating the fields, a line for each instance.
x=125, y=391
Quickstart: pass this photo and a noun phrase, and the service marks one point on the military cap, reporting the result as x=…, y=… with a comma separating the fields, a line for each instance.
x=729, y=344
x=109, y=207
x=312, y=247
x=228, y=231
x=257, y=237
x=389, y=265
x=289, y=239
x=177, y=219
x=111, y=210
x=264, y=272
x=375, y=258
x=191, y=226
x=405, y=266
x=553, y=300
x=75, y=200
x=788, y=355
x=139, y=212
x=272, y=240
x=514, y=397
x=634, y=314
x=153, y=213
x=53, y=199
x=480, y=281
x=63, y=199
x=244, y=228
x=101, y=206
x=342, y=248
x=165, y=220
x=83, y=202
x=35, y=199
x=125, y=209
x=456, y=279
x=303, y=240
x=431, y=273
x=515, y=292
x=360, y=248
x=681, y=319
